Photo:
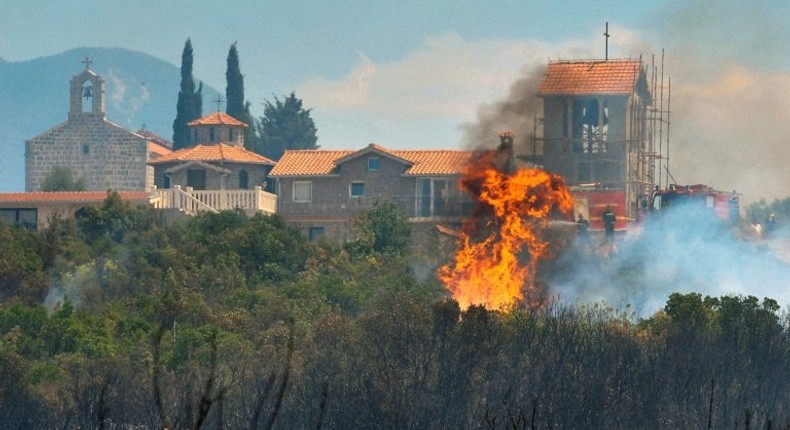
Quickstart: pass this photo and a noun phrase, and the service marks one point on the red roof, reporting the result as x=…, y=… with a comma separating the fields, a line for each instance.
x=155, y=150
x=422, y=162
x=217, y=118
x=217, y=152
x=70, y=196
x=590, y=77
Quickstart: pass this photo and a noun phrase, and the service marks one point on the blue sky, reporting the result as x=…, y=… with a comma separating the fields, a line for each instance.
x=408, y=74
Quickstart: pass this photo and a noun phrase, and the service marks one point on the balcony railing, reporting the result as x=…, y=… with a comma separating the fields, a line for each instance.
x=193, y=201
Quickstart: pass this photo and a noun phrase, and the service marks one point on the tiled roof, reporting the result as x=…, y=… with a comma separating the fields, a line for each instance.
x=217, y=118
x=590, y=77
x=70, y=196
x=423, y=162
x=155, y=138
x=156, y=150
x=216, y=152
x=307, y=162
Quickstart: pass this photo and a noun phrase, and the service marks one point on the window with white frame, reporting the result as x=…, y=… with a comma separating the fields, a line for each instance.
x=357, y=189
x=303, y=192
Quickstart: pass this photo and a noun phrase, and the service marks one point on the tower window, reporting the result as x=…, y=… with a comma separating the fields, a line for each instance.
x=211, y=134
x=86, y=149
x=230, y=134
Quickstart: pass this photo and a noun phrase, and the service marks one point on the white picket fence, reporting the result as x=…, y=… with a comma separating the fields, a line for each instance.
x=193, y=201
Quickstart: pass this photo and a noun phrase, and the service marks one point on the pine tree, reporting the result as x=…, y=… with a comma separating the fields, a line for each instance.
x=190, y=102
x=285, y=125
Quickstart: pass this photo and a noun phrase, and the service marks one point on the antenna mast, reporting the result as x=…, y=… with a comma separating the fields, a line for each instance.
x=606, y=38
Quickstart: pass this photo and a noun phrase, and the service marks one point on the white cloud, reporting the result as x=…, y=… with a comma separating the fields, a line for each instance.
x=447, y=78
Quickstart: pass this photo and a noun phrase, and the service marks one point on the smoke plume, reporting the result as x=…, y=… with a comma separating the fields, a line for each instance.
x=517, y=114
x=685, y=250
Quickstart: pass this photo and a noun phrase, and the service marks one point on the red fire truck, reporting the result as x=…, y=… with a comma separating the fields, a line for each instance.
x=722, y=204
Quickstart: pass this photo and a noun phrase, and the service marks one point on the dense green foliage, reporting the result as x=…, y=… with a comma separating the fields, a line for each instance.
x=121, y=318
x=190, y=101
x=62, y=179
x=285, y=124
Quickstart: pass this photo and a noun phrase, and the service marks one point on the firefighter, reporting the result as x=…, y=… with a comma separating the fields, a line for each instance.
x=583, y=225
x=609, y=220
x=770, y=225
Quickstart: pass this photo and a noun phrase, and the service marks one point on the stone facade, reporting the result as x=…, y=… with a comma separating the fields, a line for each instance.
x=327, y=204
x=106, y=155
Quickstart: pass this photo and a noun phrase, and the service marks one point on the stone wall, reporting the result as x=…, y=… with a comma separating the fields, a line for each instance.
x=106, y=155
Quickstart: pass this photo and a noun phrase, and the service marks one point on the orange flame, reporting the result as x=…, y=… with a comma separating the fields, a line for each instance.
x=490, y=266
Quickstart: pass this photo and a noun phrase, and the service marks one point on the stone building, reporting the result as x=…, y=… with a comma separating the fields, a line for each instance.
x=104, y=154
x=321, y=191
x=216, y=159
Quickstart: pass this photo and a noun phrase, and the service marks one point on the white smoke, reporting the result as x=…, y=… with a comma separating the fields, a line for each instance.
x=127, y=96
x=686, y=250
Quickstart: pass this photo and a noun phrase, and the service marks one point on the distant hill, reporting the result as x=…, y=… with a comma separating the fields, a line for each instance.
x=34, y=97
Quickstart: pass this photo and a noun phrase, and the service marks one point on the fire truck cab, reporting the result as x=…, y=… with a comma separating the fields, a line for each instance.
x=724, y=205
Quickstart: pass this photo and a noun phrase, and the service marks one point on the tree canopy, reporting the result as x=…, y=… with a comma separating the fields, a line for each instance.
x=62, y=179
x=285, y=125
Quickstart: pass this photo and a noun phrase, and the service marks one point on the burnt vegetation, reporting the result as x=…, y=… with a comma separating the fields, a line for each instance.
x=120, y=320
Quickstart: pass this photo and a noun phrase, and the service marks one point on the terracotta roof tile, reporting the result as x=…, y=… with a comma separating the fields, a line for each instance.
x=590, y=77
x=217, y=118
x=217, y=152
x=70, y=196
x=155, y=150
x=307, y=162
x=155, y=138
x=424, y=162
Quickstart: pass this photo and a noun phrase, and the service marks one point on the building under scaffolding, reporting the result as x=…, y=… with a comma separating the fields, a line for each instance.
x=602, y=128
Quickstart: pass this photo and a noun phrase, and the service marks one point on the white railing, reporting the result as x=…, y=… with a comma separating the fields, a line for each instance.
x=193, y=201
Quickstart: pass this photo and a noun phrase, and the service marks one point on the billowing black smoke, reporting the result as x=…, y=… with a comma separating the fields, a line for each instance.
x=517, y=114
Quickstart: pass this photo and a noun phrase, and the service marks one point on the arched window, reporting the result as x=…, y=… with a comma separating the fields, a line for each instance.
x=244, y=180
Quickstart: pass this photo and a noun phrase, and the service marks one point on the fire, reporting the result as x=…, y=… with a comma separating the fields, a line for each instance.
x=490, y=267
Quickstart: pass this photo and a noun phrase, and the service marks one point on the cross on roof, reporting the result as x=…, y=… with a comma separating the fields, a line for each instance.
x=87, y=62
x=219, y=101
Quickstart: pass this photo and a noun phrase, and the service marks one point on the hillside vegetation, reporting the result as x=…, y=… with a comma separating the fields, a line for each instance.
x=122, y=320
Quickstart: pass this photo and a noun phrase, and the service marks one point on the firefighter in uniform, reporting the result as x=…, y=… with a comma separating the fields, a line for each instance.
x=609, y=220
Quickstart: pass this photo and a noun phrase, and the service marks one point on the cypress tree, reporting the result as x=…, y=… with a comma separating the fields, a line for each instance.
x=234, y=91
x=190, y=102
x=234, y=96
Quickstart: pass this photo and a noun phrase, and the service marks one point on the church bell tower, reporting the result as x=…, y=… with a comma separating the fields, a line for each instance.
x=87, y=95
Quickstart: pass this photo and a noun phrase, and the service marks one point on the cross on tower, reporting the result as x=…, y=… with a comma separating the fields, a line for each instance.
x=87, y=62
x=219, y=101
x=606, y=35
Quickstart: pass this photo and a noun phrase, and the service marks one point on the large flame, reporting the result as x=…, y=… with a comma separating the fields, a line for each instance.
x=491, y=266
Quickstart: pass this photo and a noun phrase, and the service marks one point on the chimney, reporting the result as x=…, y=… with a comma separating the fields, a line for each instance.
x=505, y=160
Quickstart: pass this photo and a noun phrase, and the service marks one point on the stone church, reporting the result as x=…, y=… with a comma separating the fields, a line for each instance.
x=106, y=155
